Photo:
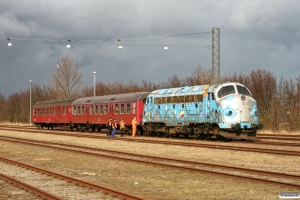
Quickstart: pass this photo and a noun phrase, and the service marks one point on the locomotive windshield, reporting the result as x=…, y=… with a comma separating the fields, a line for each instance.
x=226, y=90
x=243, y=90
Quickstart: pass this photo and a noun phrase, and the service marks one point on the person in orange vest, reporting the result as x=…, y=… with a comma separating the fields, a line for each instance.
x=134, y=127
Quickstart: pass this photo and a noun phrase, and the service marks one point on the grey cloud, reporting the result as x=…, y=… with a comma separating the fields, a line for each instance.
x=254, y=35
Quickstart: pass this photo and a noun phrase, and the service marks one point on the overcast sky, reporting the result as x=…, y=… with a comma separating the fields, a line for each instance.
x=255, y=34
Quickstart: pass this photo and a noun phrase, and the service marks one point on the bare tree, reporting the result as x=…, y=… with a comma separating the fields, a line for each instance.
x=66, y=81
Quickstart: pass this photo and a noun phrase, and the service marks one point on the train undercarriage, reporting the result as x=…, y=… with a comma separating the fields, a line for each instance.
x=199, y=130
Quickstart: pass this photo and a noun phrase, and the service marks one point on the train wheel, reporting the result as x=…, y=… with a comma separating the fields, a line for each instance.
x=99, y=129
x=145, y=131
x=93, y=129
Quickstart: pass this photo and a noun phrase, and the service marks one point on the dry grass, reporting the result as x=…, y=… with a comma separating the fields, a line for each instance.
x=155, y=182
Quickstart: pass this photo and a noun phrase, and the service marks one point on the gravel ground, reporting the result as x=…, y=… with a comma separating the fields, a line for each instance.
x=153, y=182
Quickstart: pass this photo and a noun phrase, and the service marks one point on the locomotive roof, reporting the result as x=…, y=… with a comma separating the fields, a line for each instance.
x=53, y=103
x=111, y=98
x=189, y=90
x=197, y=89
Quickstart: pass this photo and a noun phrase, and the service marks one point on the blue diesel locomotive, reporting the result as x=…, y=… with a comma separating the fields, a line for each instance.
x=222, y=111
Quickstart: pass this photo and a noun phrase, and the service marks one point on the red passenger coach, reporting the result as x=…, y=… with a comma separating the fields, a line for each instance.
x=52, y=113
x=94, y=112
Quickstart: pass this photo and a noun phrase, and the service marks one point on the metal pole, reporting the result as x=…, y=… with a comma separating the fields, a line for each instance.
x=94, y=83
x=30, y=103
x=58, y=95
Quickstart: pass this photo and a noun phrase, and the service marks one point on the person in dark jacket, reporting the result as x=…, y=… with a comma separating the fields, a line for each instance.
x=122, y=127
x=109, y=127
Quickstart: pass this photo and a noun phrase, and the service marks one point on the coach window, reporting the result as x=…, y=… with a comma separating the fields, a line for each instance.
x=46, y=111
x=116, y=108
x=74, y=110
x=78, y=110
x=151, y=100
x=91, y=110
x=101, y=109
x=133, y=108
x=82, y=110
x=128, y=108
x=52, y=110
x=147, y=100
x=122, y=109
x=57, y=110
x=96, y=109
x=105, y=109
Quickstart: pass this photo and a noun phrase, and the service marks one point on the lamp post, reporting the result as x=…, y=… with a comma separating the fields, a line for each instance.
x=94, y=83
x=30, y=103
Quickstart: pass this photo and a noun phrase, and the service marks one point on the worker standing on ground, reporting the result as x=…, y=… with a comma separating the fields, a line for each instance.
x=114, y=128
x=109, y=127
x=122, y=126
x=134, y=127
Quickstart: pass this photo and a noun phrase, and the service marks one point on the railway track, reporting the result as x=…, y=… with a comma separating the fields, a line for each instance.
x=259, y=136
x=38, y=192
x=277, y=178
x=214, y=145
x=81, y=184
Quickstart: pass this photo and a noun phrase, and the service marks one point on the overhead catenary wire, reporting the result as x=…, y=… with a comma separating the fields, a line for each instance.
x=104, y=42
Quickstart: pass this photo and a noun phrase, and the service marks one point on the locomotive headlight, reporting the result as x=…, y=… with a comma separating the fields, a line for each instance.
x=230, y=113
x=256, y=113
x=243, y=97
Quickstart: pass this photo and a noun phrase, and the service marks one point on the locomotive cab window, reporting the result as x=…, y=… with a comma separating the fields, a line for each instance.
x=243, y=90
x=226, y=90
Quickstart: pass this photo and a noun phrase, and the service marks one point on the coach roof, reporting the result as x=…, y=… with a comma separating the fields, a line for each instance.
x=47, y=104
x=112, y=98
